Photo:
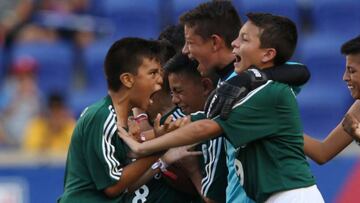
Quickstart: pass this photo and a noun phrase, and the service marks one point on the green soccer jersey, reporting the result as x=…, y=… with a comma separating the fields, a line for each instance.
x=213, y=165
x=96, y=159
x=266, y=131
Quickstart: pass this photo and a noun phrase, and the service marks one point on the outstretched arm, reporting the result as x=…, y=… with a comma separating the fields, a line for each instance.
x=294, y=74
x=189, y=134
x=334, y=143
x=130, y=174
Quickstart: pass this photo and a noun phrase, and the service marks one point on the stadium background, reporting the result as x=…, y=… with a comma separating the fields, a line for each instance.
x=323, y=26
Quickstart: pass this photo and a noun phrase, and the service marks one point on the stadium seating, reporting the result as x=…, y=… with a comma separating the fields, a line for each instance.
x=325, y=98
x=55, y=64
x=288, y=8
x=134, y=18
x=2, y=65
x=181, y=6
x=95, y=88
x=336, y=16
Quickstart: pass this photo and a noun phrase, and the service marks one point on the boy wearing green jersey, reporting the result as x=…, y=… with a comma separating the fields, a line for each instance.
x=263, y=130
x=98, y=168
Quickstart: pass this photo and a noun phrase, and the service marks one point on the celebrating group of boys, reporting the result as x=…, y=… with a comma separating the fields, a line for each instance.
x=230, y=129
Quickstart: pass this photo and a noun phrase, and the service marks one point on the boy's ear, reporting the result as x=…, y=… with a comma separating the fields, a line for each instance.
x=127, y=79
x=208, y=86
x=269, y=55
x=217, y=42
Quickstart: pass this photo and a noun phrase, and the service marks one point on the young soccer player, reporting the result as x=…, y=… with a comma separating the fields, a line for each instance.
x=264, y=128
x=189, y=92
x=98, y=168
x=339, y=138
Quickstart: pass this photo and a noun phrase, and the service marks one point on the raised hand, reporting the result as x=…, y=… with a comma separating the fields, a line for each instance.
x=352, y=126
x=168, y=125
x=131, y=141
x=178, y=153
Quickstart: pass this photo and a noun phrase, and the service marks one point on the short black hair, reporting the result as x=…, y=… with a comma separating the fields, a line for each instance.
x=216, y=17
x=174, y=34
x=351, y=47
x=126, y=55
x=181, y=63
x=276, y=32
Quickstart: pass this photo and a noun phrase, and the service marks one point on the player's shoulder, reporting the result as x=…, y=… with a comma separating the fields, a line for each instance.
x=97, y=112
x=273, y=88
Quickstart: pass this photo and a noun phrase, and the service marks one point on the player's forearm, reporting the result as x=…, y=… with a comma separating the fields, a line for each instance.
x=189, y=134
x=323, y=151
x=130, y=174
x=147, y=176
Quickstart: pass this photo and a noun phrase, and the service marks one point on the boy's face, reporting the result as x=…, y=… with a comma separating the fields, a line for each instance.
x=246, y=48
x=352, y=74
x=147, y=81
x=199, y=49
x=187, y=93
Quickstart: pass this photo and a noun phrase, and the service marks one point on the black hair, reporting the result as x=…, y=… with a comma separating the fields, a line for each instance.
x=174, y=34
x=181, y=63
x=276, y=32
x=126, y=55
x=216, y=17
x=351, y=47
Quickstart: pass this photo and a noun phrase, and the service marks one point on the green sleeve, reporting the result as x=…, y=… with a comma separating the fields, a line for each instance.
x=260, y=115
x=197, y=116
x=101, y=152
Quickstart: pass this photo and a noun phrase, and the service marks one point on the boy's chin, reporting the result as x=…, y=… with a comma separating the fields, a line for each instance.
x=239, y=69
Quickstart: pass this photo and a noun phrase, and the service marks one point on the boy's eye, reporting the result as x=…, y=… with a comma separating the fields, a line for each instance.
x=351, y=70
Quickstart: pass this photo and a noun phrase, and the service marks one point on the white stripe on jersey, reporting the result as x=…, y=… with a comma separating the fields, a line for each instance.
x=214, y=151
x=108, y=149
x=177, y=114
x=250, y=95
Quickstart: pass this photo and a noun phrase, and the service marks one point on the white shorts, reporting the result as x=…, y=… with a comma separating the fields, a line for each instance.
x=300, y=195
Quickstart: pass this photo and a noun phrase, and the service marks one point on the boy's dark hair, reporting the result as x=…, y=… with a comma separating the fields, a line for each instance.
x=180, y=63
x=216, y=17
x=351, y=47
x=276, y=32
x=174, y=34
x=126, y=55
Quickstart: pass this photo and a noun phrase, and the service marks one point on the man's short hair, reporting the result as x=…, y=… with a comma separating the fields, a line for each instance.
x=216, y=17
x=351, y=47
x=126, y=55
x=276, y=32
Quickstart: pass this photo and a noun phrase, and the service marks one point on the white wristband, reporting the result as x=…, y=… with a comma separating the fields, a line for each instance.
x=160, y=164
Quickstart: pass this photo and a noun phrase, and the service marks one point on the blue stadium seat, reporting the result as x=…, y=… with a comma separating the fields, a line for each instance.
x=325, y=98
x=181, y=6
x=93, y=57
x=2, y=65
x=55, y=62
x=134, y=18
x=336, y=16
x=95, y=87
x=288, y=8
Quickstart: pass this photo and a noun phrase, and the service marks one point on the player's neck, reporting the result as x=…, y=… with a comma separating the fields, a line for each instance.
x=225, y=58
x=120, y=102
